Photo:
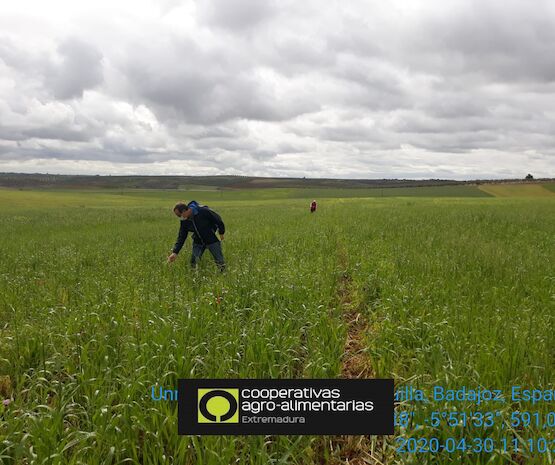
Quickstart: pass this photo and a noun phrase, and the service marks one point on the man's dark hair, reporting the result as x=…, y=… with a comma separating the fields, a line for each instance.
x=181, y=207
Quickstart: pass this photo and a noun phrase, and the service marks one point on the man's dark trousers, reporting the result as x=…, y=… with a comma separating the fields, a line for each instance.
x=215, y=249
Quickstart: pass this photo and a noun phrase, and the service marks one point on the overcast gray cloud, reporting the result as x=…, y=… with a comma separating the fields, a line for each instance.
x=80, y=68
x=428, y=88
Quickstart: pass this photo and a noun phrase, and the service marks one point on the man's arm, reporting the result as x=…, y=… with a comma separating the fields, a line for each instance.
x=183, y=232
x=217, y=219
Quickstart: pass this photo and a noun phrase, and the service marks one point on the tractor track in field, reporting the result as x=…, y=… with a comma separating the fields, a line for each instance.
x=355, y=363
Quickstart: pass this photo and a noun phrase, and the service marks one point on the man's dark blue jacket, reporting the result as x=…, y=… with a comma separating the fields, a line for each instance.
x=203, y=225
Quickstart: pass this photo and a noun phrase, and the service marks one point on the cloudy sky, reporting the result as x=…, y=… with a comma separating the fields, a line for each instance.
x=356, y=89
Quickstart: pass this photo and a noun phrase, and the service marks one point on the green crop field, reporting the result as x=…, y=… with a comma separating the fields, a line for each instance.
x=456, y=288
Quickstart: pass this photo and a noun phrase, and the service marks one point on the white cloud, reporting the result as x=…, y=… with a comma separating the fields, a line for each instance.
x=456, y=89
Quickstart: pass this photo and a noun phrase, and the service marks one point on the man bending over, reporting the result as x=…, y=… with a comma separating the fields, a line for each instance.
x=203, y=224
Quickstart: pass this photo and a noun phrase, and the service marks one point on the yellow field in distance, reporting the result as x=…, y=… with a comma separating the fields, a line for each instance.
x=517, y=190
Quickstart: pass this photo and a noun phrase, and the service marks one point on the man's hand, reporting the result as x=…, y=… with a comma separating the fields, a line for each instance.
x=172, y=258
x=221, y=237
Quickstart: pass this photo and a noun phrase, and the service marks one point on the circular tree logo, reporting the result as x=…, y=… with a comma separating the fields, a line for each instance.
x=218, y=405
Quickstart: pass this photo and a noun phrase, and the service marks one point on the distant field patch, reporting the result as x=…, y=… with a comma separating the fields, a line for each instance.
x=518, y=190
x=198, y=187
x=55, y=198
x=430, y=191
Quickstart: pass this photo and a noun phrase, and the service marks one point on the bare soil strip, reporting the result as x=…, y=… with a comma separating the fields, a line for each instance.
x=352, y=450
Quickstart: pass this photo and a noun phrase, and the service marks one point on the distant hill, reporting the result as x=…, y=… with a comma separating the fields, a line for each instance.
x=57, y=181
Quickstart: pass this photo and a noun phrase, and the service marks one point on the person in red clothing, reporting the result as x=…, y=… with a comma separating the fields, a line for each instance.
x=313, y=206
